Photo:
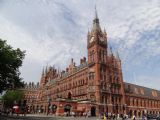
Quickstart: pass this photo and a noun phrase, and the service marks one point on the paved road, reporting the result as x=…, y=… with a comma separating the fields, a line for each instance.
x=43, y=117
x=26, y=118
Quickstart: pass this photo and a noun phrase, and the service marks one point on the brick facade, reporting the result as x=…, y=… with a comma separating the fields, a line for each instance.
x=95, y=85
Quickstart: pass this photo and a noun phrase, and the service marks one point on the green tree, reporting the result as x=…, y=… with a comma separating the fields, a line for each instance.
x=10, y=61
x=12, y=96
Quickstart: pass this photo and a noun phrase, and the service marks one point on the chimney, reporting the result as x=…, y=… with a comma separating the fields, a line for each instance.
x=81, y=61
x=67, y=69
x=84, y=58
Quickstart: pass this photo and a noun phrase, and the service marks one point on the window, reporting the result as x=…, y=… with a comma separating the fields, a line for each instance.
x=104, y=60
x=92, y=55
x=99, y=55
x=91, y=75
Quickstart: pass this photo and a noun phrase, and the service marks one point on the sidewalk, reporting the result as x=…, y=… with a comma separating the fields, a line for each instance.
x=70, y=118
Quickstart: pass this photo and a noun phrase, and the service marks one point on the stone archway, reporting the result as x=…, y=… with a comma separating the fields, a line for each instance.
x=33, y=109
x=93, y=111
x=143, y=112
x=135, y=113
x=67, y=109
x=37, y=108
x=139, y=113
x=30, y=109
x=41, y=109
x=53, y=108
x=130, y=113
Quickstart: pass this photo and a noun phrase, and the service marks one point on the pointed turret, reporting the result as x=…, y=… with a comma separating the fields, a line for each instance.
x=46, y=70
x=43, y=71
x=88, y=34
x=117, y=56
x=96, y=15
x=96, y=26
x=105, y=33
x=110, y=51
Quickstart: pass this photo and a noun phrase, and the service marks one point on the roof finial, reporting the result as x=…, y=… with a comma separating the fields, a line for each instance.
x=96, y=15
x=43, y=71
x=105, y=31
x=46, y=70
x=88, y=31
x=117, y=55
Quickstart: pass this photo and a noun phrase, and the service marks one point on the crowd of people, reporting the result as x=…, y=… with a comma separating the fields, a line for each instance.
x=15, y=111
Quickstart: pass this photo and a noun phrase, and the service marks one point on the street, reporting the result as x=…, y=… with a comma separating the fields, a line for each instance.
x=40, y=117
x=50, y=117
x=27, y=118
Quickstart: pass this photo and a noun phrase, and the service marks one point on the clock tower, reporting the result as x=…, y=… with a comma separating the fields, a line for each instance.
x=97, y=58
x=96, y=42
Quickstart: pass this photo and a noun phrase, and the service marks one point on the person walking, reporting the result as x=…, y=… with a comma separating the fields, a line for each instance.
x=134, y=117
x=104, y=118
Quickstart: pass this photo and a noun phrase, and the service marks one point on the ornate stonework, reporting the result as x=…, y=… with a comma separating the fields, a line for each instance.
x=95, y=85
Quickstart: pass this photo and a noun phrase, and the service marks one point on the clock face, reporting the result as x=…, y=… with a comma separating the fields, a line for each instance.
x=92, y=39
x=101, y=39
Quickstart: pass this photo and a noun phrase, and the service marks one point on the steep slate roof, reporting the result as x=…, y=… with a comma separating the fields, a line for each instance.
x=137, y=90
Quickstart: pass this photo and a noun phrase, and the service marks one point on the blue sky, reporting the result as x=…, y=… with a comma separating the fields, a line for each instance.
x=54, y=31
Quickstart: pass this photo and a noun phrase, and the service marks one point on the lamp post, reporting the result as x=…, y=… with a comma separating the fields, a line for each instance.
x=48, y=100
x=49, y=104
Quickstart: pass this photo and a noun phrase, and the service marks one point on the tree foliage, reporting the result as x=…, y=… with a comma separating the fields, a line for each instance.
x=10, y=61
x=12, y=97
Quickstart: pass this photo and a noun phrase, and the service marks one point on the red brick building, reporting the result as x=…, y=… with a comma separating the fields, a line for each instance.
x=95, y=85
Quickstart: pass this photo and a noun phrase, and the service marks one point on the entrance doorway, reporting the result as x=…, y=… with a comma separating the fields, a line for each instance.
x=130, y=113
x=53, y=108
x=67, y=109
x=93, y=111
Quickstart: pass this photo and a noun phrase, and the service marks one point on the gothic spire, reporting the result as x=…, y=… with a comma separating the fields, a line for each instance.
x=96, y=26
x=117, y=55
x=105, y=31
x=43, y=71
x=46, y=70
x=96, y=15
x=110, y=50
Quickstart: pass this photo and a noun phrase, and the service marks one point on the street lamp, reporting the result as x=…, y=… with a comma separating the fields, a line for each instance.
x=49, y=104
x=48, y=100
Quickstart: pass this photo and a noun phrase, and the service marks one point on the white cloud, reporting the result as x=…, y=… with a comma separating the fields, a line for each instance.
x=147, y=81
x=54, y=31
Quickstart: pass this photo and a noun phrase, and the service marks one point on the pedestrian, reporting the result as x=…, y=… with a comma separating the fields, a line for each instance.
x=134, y=117
x=104, y=118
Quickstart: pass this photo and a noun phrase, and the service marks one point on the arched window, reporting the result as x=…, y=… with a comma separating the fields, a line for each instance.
x=99, y=54
x=133, y=102
x=69, y=95
x=106, y=99
x=92, y=55
x=103, y=56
